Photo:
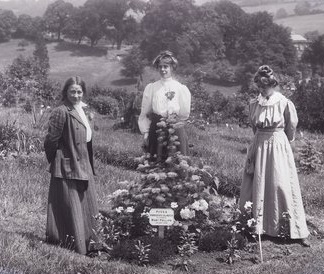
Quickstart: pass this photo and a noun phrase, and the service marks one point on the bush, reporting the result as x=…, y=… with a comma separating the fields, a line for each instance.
x=309, y=100
x=105, y=105
x=10, y=97
x=309, y=158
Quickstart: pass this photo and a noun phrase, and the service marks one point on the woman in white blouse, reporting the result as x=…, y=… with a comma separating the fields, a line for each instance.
x=270, y=179
x=162, y=98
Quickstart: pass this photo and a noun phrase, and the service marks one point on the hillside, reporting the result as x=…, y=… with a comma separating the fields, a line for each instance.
x=32, y=7
x=303, y=24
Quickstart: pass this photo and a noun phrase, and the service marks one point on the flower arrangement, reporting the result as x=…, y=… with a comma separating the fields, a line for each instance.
x=168, y=180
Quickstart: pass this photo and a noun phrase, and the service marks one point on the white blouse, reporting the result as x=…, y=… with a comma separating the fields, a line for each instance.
x=79, y=109
x=164, y=97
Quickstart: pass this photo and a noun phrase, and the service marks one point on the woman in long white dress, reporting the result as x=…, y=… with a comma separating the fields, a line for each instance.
x=160, y=99
x=270, y=178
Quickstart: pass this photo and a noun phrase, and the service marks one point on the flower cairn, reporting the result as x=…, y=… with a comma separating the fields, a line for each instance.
x=170, y=182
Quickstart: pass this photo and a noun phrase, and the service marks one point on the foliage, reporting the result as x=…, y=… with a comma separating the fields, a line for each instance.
x=105, y=105
x=309, y=99
x=8, y=22
x=186, y=249
x=57, y=15
x=116, y=22
x=29, y=27
x=302, y=8
x=281, y=13
x=314, y=55
x=309, y=158
x=164, y=22
x=142, y=253
x=134, y=63
x=14, y=141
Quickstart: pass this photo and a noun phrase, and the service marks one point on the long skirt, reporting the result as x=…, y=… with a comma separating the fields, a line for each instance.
x=72, y=205
x=158, y=150
x=270, y=182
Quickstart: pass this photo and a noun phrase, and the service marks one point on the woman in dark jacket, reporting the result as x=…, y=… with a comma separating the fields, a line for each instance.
x=72, y=202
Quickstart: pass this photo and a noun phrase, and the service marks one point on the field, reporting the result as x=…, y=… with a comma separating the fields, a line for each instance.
x=298, y=24
x=303, y=24
x=272, y=8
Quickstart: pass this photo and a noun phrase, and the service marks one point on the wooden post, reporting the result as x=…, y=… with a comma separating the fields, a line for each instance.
x=161, y=231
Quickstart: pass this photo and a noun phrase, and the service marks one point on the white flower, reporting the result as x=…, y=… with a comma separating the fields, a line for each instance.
x=195, y=205
x=250, y=222
x=248, y=205
x=234, y=229
x=120, y=192
x=174, y=205
x=177, y=223
x=186, y=213
x=195, y=177
x=145, y=214
x=203, y=205
x=119, y=209
x=172, y=174
x=130, y=209
x=200, y=205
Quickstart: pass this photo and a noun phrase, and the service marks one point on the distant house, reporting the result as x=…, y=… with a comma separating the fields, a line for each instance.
x=300, y=43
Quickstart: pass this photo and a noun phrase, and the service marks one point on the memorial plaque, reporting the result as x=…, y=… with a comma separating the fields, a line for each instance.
x=161, y=216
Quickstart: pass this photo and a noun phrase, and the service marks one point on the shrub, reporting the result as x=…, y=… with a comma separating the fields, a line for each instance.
x=105, y=105
x=14, y=141
x=309, y=158
x=10, y=97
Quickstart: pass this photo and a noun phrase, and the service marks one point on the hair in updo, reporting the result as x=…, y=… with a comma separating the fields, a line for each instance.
x=264, y=77
x=75, y=80
x=167, y=57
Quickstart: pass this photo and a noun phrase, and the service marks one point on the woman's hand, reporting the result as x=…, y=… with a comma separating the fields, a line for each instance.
x=293, y=147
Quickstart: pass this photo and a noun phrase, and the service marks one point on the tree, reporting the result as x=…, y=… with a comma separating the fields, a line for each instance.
x=134, y=64
x=29, y=27
x=41, y=57
x=314, y=55
x=8, y=23
x=57, y=15
x=302, y=8
x=281, y=13
x=164, y=22
x=233, y=21
x=265, y=42
x=114, y=14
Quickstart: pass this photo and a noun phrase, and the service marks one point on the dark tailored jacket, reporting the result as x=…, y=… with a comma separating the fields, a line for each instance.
x=66, y=148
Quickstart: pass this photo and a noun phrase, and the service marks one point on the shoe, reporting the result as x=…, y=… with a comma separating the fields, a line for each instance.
x=305, y=243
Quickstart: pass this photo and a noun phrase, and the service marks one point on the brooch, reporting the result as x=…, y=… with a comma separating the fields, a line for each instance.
x=170, y=95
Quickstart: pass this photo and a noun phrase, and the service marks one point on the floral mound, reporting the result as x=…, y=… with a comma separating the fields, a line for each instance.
x=171, y=181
